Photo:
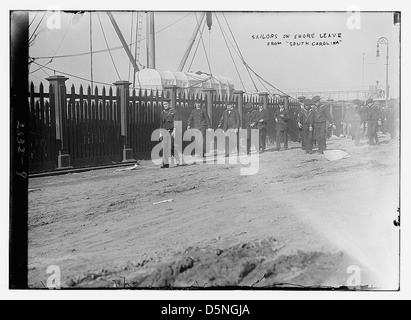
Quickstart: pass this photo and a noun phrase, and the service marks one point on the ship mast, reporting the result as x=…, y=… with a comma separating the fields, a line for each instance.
x=151, y=41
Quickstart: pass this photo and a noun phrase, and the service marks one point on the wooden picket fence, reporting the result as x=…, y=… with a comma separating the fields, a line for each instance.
x=43, y=147
x=93, y=127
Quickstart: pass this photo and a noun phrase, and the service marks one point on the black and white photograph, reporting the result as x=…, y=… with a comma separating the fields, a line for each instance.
x=205, y=150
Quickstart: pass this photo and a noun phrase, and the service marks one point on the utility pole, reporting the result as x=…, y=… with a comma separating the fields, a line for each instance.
x=384, y=40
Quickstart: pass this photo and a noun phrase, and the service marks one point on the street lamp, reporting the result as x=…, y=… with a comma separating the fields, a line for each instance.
x=384, y=40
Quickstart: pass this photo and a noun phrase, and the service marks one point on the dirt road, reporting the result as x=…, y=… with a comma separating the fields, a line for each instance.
x=301, y=221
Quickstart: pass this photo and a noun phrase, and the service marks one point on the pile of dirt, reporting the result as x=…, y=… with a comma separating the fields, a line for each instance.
x=247, y=265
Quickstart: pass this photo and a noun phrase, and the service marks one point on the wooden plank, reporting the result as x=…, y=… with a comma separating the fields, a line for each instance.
x=53, y=124
x=85, y=129
x=43, y=156
x=100, y=129
x=75, y=131
x=68, y=124
x=39, y=136
x=47, y=130
x=93, y=130
x=111, y=118
x=82, y=131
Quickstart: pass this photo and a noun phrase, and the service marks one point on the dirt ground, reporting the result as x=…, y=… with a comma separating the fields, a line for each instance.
x=302, y=221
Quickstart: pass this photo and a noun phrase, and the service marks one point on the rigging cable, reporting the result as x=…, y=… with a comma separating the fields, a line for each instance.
x=205, y=50
x=91, y=51
x=70, y=75
x=232, y=58
x=105, y=39
x=58, y=47
x=195, y=52
x=239, y=52
x=130, y=46
x=250, y=69
x=34, y=18
x=108, y=49
x=34, y=32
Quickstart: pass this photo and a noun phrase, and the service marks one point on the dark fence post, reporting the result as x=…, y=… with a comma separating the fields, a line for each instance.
x=172, y=94
x=123, y=87
x=264, y=99
x=209, y=97
x=58, y=86
x=239, y=95
x=286, y=102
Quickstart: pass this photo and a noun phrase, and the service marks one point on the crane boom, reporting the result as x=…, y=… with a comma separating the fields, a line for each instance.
x=123, y=41
x=191, y=43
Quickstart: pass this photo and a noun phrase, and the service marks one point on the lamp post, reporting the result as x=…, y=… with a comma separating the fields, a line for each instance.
x=384, y=40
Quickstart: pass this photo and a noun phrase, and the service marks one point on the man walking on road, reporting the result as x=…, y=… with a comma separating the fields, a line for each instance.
x=373, y=117
x=167, y=123
x=200, y=121
x=262, y=118
x=281, y=118
x=306, y=123
x=230, y=122
x=250, y=122
x=321, y=115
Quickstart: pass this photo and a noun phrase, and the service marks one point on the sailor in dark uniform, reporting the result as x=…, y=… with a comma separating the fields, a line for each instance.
x=306, y=123
x=282, y=118
x=321, y=115
x=200, y=121
x=167, y=123
x=262, y=118
x=250, y=122
x=373, y=120
x=230, y=122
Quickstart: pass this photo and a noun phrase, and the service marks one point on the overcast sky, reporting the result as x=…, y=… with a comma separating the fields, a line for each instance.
x=308, y=67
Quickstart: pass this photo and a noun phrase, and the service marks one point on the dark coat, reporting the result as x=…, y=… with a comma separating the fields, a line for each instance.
x=250, y=118
x=282, y=117
x=167, y=119
x=373, y=113
x=262, y=115
x=306, y=118
x=322, y=114
x=230, y=120
x=199, y=119
x=356, y=115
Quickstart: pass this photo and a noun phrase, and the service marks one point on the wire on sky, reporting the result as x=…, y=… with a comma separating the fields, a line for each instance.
x=71, y=75
x=34, y=32
x=105, y=39
x=250, y=69
x=205, y=50
x=58, y=47
x=35, y=16
x=113, y=48
x=195, y=52
x=232, y=58
x=130, y=46
x=239, y=51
